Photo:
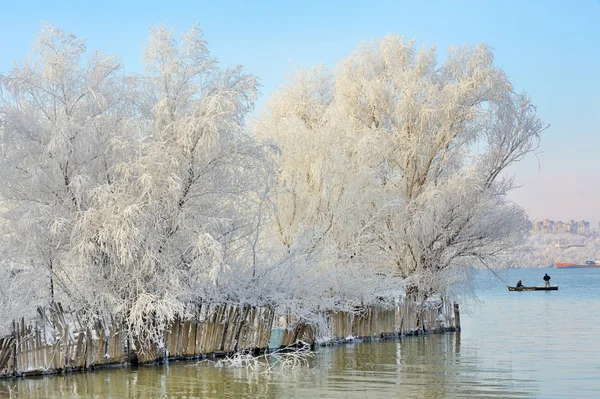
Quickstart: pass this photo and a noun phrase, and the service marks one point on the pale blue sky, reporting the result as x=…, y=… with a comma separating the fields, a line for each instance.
x=549, y=48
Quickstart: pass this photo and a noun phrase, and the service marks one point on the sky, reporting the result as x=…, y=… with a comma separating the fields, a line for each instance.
x=550, y=49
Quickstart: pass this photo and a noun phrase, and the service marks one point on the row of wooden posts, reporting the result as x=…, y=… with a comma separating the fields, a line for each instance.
x=58, y=341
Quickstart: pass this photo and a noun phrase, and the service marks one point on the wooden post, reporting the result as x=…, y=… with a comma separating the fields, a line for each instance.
x=456, y=316
x=15, y=365
x=457, y=343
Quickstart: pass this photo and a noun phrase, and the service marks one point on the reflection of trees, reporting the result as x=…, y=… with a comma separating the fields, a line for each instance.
x=433, y=366
x=177, y=380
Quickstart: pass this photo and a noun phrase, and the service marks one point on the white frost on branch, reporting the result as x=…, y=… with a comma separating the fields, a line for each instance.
x=394, y=164
x=143, y=197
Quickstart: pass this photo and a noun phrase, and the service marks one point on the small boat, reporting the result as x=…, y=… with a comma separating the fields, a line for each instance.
x=551, y=288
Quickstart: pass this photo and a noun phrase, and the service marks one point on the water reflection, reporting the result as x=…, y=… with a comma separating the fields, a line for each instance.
x=415, y=367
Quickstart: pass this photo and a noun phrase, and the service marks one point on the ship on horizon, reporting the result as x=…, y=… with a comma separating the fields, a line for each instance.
x=587, y=265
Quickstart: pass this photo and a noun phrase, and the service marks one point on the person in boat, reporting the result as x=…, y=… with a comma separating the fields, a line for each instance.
x=519, y=284
x=546, y=280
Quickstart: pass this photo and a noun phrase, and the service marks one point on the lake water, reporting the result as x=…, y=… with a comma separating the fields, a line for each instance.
x=542, y=344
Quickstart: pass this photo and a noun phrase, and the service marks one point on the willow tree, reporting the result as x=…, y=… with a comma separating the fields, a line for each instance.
x=324, y=215
x=424, y=148
x=184, y=211
x=62, y=122
x=140, y=194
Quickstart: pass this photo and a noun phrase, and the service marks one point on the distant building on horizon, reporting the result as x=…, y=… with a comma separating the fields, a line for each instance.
x=574, y=227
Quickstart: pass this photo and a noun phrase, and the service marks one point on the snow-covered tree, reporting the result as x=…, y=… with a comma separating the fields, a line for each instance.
x=140, y=194
x=63, y=126
x=140, y=197
x=401, y=158
x=324, y=214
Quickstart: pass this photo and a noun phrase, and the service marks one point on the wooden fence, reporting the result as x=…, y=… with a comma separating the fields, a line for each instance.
x=405, y=318
x=58, y=340
x=370, y=322
x=222, y=329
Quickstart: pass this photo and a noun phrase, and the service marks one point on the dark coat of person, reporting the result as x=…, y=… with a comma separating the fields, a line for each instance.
x=546, y=277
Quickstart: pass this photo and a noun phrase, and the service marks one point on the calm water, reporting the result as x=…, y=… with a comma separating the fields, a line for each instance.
x=513, y=345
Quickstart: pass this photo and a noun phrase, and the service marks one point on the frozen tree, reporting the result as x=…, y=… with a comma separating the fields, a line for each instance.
x=62, y=121
x=140, y=195
x=445, y=133
x=324, y=214
x=184, y=210
x=401, y=157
